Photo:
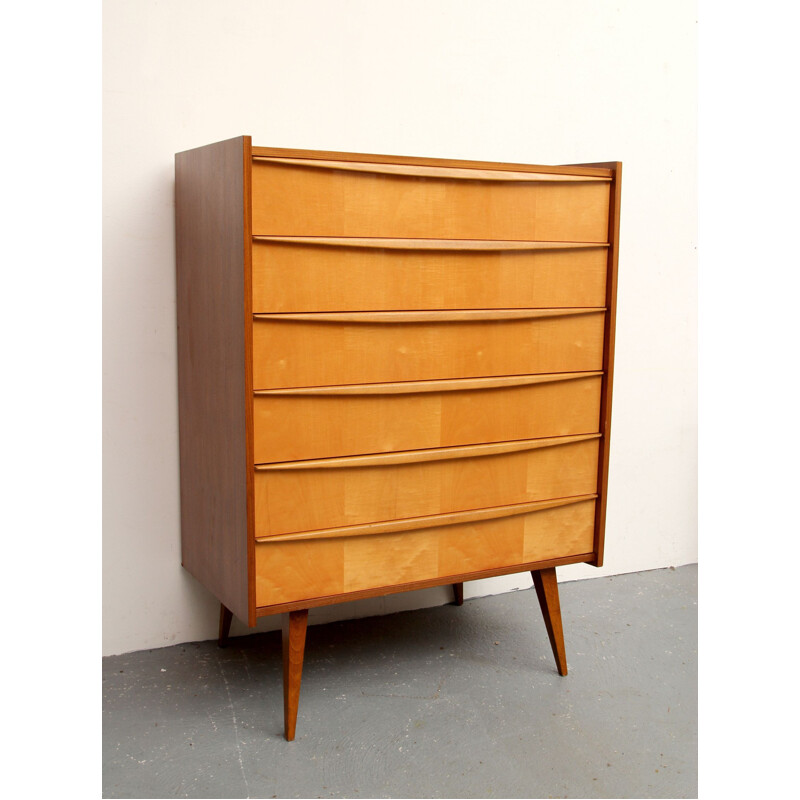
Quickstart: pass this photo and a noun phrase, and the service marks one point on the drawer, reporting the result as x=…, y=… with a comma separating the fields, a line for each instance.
x=304, y=568
x=296, y=197
x=396, y=274
x=301, y=350
x=291, y=425
x=331, y=493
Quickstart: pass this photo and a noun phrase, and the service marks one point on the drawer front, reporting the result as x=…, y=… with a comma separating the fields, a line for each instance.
x=289, y=571
x=292, y=276
x=332, y=493
x=304, y=199
x=333, y=422
x=315, y=350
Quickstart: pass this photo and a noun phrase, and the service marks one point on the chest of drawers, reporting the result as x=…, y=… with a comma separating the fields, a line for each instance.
x=394, y=373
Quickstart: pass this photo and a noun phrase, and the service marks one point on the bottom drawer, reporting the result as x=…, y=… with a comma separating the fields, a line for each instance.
x=305, y=568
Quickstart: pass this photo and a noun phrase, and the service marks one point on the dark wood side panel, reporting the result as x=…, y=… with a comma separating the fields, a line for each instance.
x=247, y=321
x=608, y=354
x=210, y=222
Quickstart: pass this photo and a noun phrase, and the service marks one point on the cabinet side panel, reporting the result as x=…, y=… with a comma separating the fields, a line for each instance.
x=608, y=353
x=211, y=304
x=608, y=363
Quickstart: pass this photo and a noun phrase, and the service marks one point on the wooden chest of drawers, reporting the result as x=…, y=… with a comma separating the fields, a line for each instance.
x=393, y=373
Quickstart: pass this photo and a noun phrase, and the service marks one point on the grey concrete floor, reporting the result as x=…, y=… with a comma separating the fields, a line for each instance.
x=442, y=702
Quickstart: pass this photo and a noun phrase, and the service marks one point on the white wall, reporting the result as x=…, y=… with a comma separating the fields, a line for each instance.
x=527, y=81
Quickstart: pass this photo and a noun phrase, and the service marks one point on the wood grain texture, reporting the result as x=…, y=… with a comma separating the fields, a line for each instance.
x=293, y=639
x=313, y=498
x=212, y=298
x=328, y=425
x=395, y=588
x=331, y=155
x=307, y=276
x=292, y=200
x=307, y=570
x=609, y=337
x=546, y=584
x=312, y=353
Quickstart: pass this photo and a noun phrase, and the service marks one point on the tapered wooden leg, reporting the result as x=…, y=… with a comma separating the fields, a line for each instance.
x=458, y=592
x=225, y=617
x=547, y=591
x=294, y=645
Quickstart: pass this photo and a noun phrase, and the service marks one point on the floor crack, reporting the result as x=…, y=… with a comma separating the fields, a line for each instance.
x=434, y=696
x=235, y=729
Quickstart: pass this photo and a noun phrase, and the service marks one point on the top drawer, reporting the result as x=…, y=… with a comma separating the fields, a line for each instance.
x=297, y=197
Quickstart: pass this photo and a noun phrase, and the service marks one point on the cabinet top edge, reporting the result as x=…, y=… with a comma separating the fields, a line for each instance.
x=333, y=155
x=245, y=140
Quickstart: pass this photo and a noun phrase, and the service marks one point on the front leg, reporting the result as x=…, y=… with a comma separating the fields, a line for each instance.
x=547, y=591
x=294, y=644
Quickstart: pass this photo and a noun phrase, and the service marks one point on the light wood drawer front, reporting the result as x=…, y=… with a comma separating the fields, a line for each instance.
x=291, y=352
x=287, y=571
x=333, y=493
x=300, y=276
x=293, y=427
x=301, y=200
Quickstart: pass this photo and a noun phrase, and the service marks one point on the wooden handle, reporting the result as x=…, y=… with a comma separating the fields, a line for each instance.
x=427, y=244
x=470, y=315
x=431, y=521
x=420, y=171
x=419, y=456
x=417, y=387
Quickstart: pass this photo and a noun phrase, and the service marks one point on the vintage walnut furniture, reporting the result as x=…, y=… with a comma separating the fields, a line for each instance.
x=394, y=373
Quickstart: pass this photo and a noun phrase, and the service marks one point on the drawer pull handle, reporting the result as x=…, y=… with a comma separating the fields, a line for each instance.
x=432, y=521
x=416, y=387
x=422, y=171
x=433, y=454
x=479, y=315
x=489, y=245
